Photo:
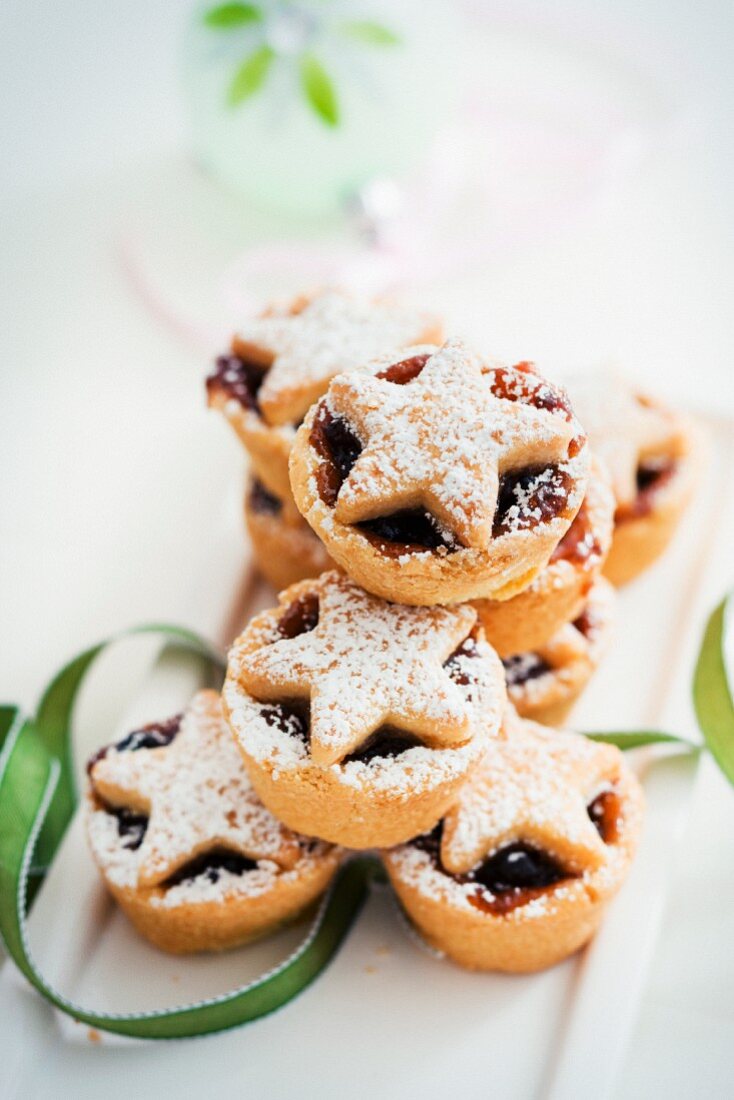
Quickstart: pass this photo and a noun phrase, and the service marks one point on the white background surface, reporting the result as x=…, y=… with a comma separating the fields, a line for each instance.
x=113, y=471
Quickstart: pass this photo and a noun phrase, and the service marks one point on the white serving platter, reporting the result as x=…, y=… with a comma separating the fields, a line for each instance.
x=387, y=1018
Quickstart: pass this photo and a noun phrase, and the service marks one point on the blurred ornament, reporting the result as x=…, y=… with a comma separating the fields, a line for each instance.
x=549, y=122
x=296, y=105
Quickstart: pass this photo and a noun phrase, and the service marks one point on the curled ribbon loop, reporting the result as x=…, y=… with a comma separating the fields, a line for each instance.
x=37, y=800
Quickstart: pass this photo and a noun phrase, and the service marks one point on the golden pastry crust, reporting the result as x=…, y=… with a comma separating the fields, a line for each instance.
x=641, y=537
x=650, y=452
x=185, y=847
x=544, y=683
x=286, y=549
x=269, y=448
x=283, y=361
x=535, y=791
x=559, y=592
x=440, y=478
x=360, y=719
x=202, y=926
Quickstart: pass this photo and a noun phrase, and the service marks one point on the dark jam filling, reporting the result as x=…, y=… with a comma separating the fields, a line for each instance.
x=410, y=531
x=238, y=379
x=513, y=876
x=431, y=843
x=525, y=498
x=578, y=546
x=604, y=811
x=518, y=383
x=291, y=717
x=263, y=501
x=209, y=865
x=131, y=826
x=153, y=736
x=523, y=667
x=651, y=478
x=510, y=877
x=300, y=617
x=338, y=447
x=584, y=623
x=453, y=666
x=519, y=872
x=384, y=743
x=405, y=371
x=529, y=497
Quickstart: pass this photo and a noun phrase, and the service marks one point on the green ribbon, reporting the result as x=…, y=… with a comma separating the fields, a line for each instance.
x=712, y=690
x=37, y=800
x=712, y=700
x=636, y=739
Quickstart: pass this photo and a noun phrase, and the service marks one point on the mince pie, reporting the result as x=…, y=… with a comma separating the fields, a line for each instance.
x=545, y=682
x=359, y=719
x=437, y=477
x=184, y=844
x=283, y=361
x=286, y=549
x=650, y=453
x=559, y=592
x=518, y=874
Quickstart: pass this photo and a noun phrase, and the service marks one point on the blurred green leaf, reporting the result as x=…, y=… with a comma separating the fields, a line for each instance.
x=232, y=15
x=251, y=75
x=635, y=739
x=319, y=90
x=373, y=34
x=712, y=695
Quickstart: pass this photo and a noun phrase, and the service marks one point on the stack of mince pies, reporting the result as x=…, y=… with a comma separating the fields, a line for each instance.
x=441, y=529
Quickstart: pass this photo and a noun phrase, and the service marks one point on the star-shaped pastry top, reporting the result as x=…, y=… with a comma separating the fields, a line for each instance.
x=306, y=345
x=440, y=441
x=366, y=664
x=197, y=796
x=625, y=428
x=535, y=787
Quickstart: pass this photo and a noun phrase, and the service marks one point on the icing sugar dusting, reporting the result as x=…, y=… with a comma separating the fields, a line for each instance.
x=120, y=864
x=533, y=787
x=383, y=665
x=265, y=877
x=367, y=663
x=625, y=427
x=417, y=769
x=441, y=440
x=417, y=869
x=333, y=332
x=198, y=797
x=121, y=868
